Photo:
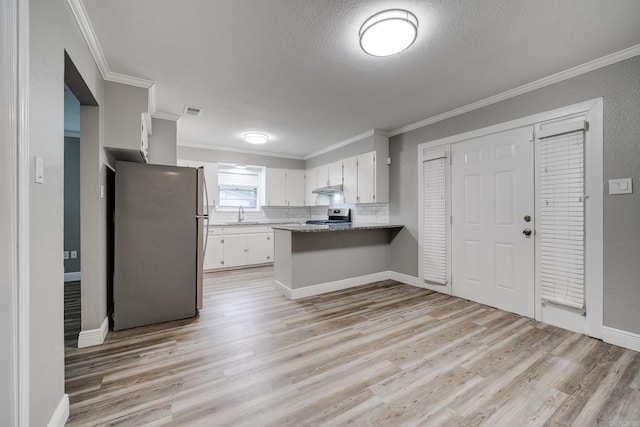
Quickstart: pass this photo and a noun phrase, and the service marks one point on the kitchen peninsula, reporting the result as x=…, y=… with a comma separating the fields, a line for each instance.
x=315, y=259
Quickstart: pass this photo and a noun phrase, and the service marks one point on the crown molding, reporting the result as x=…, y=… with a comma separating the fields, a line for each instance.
x=543, y=82
x=346, y=142
x=188, y=144
x=129, y=80
x=86, y=28
x=166, y=116
x=80, y=13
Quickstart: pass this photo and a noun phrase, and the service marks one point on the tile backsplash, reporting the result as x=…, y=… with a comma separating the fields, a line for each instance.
x=377, y=213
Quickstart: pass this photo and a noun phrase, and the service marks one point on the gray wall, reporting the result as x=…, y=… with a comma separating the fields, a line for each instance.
x=52, y=31
x=72, y=202
x=7, y=250
x=218, y=156
x=619, y=85
x=163, y=142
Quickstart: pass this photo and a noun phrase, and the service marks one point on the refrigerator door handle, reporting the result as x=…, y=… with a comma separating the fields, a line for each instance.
x=206, y=215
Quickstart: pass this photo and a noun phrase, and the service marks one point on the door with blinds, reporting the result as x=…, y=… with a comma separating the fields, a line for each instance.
x=492, y=244
x=434, y=226
x=560, y=209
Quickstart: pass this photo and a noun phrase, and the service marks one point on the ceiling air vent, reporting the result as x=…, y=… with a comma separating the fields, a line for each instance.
x=192, y=111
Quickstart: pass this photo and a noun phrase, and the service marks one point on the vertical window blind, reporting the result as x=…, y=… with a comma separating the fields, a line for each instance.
x=435, y=220
x=561, y=224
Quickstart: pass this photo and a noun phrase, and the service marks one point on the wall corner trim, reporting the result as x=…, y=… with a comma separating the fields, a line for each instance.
x=93, y=337
x=621, y=338
x=61, y=414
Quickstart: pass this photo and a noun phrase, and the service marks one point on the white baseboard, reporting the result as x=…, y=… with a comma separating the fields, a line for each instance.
x=61, y=414
x=621, y=338
x=74, y=276
x=93, y=337
x=418, y=283
x=337, y=285
x=283, y=289
x=406, y=279
x=352, y=282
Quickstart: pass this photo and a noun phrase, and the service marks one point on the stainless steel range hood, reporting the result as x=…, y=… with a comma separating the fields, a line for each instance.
x=331, y=189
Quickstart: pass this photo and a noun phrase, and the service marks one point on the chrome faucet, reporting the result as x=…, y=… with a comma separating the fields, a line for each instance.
x=240, y=214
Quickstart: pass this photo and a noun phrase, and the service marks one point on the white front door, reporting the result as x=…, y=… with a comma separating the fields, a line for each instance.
x=492, y=183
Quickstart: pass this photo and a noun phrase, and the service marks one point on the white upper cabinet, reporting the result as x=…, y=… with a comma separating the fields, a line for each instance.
x=285, y=187
x=367, y=178
x=210, y=178
x=350, y=177
x=295, y=187
x=211, y=183
x=276, y=187
x=310, y=184
x=335, y=173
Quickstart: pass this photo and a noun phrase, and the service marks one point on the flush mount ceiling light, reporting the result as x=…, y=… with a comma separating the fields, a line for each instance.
x=388, y=32
x=256, y=138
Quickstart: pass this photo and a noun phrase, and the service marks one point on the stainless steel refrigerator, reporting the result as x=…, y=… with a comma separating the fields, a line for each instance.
x=158, y=243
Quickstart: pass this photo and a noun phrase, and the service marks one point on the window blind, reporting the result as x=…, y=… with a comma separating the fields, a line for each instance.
x=233, y=178
x=435, y=221
x=561, y=224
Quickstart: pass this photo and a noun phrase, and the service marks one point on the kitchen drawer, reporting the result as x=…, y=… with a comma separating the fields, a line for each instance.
x=247, y=229
x=215, y=231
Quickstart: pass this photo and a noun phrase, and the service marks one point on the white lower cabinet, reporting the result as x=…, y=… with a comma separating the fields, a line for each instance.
x=235, y=251
x=214, y=256
x=230, y=247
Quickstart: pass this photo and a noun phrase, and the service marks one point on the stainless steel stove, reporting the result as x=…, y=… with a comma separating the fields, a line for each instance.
x=334, y=217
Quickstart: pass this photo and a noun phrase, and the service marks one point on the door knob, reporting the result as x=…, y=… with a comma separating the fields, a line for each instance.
x=526, y=232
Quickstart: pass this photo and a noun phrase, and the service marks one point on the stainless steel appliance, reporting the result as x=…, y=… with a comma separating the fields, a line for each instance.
x=334, y=216
x=158, y=243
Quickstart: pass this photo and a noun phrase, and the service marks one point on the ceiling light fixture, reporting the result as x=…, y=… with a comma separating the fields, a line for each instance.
x=388, y=32
x=256, y=138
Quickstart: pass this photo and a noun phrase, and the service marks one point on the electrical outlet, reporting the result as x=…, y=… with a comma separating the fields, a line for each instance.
x=74, y=254
x=65, y=255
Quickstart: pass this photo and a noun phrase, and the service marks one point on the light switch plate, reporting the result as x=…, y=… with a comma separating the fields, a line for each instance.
x=66, y=254
x=39, y=170
x=74, y=254
x=620, y=186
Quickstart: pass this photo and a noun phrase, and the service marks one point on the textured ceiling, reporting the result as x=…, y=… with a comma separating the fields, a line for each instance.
x=294, y=68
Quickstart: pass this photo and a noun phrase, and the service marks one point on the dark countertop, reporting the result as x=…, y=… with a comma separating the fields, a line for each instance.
x=314, y=228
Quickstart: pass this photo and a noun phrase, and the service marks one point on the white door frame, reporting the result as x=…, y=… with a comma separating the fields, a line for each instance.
x=593, y=109
x=15, y=52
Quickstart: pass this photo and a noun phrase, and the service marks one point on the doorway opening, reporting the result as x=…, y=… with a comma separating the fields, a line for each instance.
x=72, y=252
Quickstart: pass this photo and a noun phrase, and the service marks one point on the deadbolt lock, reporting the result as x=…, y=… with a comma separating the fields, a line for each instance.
x=527, y=218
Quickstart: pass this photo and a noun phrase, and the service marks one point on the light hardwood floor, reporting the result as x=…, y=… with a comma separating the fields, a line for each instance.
x=382, y=354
